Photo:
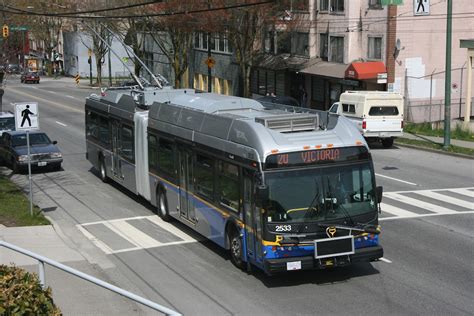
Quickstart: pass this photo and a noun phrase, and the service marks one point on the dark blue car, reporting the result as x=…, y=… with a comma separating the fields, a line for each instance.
x=14, y=152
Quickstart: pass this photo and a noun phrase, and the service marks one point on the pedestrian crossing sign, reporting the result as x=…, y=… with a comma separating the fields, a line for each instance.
x=26, y=116
x=421, y=7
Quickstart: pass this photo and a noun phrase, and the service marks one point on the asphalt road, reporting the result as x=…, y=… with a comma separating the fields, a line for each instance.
x=427, y=222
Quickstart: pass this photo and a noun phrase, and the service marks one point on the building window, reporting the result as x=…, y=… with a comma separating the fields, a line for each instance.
x=300, y=44
x=375, y=48
x=284, y=43
x=337, y=6
x=269, y=42
x=323, y=46
x=337, y=49
x=375, y=4
x=323, y=5
x=219, y=42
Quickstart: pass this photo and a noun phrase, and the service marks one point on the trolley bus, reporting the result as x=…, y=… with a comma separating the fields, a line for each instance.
x=281, y=188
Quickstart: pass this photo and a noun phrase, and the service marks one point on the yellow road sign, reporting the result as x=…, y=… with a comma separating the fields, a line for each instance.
x=210, y=62
x=77, y=78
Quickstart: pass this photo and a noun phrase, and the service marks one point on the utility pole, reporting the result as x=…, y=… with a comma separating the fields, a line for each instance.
x=447, y=83
x=209, y=74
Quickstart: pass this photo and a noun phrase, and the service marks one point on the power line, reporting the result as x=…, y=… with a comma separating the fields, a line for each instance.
x=59, y=15
x=85, y=12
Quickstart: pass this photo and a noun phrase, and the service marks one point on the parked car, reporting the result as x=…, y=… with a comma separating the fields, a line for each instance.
x=7, y=122
x=14, y=152
x=13, y=69
x=30, y=76
x=377, y=114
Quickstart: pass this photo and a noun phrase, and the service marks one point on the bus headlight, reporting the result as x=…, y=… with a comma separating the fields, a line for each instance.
x=56, y=155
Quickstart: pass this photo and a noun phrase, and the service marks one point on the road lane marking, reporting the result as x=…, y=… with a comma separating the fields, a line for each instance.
x=133, y=235
x=395, y=179
x=62, y=124
x=424, y=215
x=100, y=244
x=60, y=105
x=464, y=191
x=421, y=204
x=385, y=260
x=70, y=97
x=396, y=211
x=448, y=199
x=50, y=91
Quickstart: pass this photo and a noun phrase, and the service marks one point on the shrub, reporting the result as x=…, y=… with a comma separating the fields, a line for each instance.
x=21, y=294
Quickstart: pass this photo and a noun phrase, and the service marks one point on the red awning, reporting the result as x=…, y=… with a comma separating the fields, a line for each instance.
x=365, y=70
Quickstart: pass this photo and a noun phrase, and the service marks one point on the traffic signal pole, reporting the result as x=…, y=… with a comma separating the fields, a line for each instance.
x=447, y=83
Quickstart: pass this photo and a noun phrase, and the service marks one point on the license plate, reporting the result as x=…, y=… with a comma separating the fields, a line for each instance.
x=42, y=163
x=295, y=265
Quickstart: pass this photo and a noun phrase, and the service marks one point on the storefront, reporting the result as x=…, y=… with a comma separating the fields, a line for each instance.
x=371, y=75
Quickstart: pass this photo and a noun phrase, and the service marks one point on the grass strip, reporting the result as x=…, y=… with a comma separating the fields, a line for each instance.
x=427, y=130
x=15, y=207
x=436, y=146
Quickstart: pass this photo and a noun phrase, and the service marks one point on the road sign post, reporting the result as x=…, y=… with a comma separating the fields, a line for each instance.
x=26, y=118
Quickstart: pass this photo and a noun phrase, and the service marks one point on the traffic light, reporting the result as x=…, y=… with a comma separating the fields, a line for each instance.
x=5, y=31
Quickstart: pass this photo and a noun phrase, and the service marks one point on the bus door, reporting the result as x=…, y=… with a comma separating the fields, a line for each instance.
x=116, y=143
x=186, y=187
x=251, y=215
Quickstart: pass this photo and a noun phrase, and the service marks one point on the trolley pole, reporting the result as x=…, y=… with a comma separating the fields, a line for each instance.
x=447, y=84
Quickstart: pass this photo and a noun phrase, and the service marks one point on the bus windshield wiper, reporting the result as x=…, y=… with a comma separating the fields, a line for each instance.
x=339, y=205
x=312, y=205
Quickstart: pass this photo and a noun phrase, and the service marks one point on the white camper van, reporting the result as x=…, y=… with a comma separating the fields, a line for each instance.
x=377, y=114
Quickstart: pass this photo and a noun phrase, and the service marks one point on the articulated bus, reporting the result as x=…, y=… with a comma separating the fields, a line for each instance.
x=280, y=188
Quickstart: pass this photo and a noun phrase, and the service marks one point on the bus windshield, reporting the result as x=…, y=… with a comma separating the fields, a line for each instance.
x=320, y=194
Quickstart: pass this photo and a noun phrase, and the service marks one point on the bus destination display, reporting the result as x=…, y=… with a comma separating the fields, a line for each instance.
x=321, y=156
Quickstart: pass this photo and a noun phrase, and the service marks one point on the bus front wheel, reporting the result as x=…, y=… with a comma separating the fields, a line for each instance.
x=163, y=207
x=235, y=243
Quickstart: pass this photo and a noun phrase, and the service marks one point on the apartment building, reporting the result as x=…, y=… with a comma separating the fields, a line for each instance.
x=339, y=45
x=420, y=58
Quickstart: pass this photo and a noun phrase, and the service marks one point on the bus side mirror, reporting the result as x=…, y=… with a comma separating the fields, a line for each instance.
x=262, y=193
x=379, y=192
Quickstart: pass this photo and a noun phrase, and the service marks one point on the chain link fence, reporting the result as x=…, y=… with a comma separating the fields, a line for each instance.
x=424, y=96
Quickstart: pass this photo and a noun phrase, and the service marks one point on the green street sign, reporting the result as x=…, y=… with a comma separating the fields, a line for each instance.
x=392, y=2
x=18, y=28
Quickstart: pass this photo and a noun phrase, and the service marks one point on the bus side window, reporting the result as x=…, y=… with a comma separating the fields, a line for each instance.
x=229, y=185
x=104, y=131
x=127, y=150
x=152, y=153
x=166, y=157
x=204, y=176
x=92, y=125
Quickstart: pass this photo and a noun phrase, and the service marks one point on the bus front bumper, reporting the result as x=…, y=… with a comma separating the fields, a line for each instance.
x=367, y=254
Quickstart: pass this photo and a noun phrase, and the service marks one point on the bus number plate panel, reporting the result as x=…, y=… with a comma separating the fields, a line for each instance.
x=334, y=247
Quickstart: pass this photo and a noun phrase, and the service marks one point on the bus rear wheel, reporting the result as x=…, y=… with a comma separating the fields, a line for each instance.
x=163, y=207
x=235, y=243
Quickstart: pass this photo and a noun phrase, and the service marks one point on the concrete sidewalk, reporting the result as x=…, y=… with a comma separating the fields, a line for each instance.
x=71, y=294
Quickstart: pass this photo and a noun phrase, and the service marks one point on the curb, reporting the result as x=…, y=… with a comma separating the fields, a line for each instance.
x=435, y=151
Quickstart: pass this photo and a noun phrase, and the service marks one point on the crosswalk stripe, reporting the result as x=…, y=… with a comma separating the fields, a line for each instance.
x=170, y=228
x=463, y=192
x=448, y=199
x=396, y=211
x=132, y=234
x=421, y=204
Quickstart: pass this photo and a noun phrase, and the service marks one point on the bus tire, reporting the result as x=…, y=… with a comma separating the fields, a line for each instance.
x=163, y=207
x=387, y=142
x=235, y=247
x=102, y=170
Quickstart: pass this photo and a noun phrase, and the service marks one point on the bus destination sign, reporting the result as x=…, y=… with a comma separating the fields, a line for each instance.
x=321, y=156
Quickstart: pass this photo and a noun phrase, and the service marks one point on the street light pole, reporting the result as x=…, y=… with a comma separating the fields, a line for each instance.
x=447, y=83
